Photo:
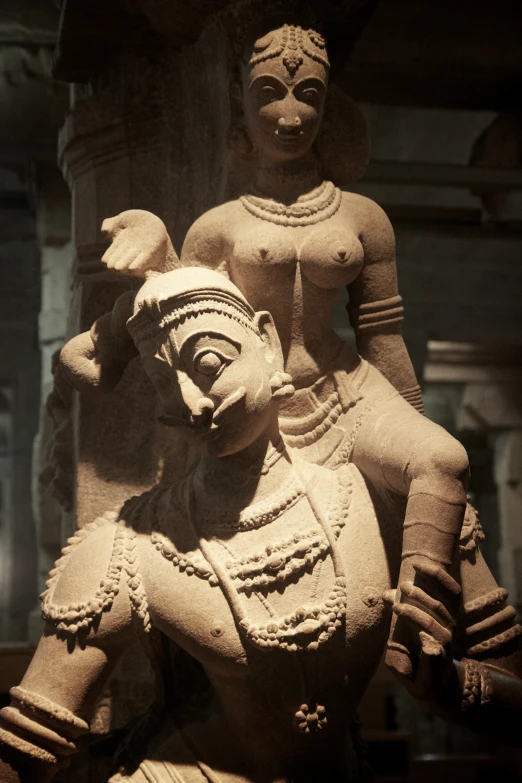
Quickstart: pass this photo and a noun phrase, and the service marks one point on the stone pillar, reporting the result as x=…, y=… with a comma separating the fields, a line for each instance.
x=141, y=137
x=49, y=506
x=509, y=482
x=19, y=396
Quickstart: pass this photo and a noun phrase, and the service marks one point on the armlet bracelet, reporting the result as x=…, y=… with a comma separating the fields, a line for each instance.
x=478, y=685
x=371, y=316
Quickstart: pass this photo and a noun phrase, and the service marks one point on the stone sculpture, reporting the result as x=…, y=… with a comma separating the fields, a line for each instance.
x=272, y=572
x=274, y=561
x=290, y=243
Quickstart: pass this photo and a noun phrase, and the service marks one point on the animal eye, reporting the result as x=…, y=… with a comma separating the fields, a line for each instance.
x=309, y=95
x=208, y=363
x=162, y=383
x=268, y=93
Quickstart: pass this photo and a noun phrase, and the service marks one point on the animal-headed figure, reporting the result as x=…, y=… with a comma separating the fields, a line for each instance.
x=270, y=571
x=290, y=242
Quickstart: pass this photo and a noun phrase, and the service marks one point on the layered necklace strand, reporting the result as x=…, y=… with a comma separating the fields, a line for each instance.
x=302, y=630
x=314, y=207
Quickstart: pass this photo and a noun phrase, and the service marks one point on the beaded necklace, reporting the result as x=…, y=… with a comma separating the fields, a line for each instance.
x=314, y=207
x=301, y=631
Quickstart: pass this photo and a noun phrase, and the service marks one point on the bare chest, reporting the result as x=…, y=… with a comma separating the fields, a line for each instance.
x=275, y=590
x=327, y=254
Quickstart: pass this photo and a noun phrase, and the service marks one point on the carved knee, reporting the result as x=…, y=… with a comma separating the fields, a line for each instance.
x=440, y=465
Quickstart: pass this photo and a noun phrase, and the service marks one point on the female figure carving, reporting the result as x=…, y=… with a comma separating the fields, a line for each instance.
x=290, y=243
x=267, y=569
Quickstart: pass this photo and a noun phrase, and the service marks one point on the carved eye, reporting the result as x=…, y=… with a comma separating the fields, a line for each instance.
x=268, y=93
x=162, y=383
x=309, y=95
x=208, y=363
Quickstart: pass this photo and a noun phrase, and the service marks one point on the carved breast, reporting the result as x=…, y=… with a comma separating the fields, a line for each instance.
x=330, y=258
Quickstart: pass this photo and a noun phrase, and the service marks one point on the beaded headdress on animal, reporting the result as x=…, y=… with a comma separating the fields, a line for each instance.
x=292, y=44
x=169, y=299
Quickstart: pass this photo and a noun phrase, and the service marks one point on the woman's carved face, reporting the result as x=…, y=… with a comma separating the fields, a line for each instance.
x=283, y=97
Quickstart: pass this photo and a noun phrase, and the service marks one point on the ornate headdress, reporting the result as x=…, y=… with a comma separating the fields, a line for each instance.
x=168, y=299
x=292, y=44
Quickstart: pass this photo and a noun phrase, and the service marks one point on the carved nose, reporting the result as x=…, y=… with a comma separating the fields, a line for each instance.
x=201, y=413
x=289, y=126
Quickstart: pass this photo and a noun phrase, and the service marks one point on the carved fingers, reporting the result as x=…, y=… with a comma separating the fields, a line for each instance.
x=430, y=603
x=427, y=607
x=140, y=244
x=422, y=621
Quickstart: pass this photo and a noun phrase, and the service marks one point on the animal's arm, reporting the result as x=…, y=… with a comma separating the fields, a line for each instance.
x=96, y=360
x=375, y=307
x=88, y=626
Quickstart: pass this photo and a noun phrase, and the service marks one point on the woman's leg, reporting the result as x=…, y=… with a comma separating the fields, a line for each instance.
x=399, y=449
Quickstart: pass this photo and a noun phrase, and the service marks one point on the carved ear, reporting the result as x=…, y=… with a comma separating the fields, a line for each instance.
x=268, y=332
x=343, y=142
x=238, y=140
x=236, y=95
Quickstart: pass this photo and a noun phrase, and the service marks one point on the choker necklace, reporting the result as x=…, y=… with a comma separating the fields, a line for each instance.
x=314, y=207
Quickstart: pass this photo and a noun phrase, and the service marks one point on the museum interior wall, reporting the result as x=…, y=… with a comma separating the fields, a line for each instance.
x=107, y=109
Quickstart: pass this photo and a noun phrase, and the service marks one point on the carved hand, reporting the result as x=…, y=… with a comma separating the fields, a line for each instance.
x=140, y=247
x=428, y=607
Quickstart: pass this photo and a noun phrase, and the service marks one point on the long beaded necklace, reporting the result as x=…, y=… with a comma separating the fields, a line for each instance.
x=303, y=629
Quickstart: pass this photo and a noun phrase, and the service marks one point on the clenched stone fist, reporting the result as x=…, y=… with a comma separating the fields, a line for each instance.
x=140, y=247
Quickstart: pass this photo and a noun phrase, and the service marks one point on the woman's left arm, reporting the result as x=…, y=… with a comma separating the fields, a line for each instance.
x=375, y=306
x=468, y=670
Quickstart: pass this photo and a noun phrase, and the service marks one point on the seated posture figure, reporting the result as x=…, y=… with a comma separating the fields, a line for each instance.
x=290, y=243
x=273, y=573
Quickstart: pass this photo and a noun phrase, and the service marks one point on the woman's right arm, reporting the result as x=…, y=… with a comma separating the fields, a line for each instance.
x=89, y=624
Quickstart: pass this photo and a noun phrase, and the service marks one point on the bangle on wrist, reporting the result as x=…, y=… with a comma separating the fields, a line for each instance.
x=478, y=685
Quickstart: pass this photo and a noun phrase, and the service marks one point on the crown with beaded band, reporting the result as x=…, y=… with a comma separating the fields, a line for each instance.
x=167, y=300
x=292, y=44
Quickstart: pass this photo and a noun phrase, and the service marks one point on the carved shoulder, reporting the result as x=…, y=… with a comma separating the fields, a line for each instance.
x=372, y=226
x=209, y=239
x=87, y=590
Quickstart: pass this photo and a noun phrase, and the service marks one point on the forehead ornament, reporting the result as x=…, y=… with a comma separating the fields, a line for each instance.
x=292, y=44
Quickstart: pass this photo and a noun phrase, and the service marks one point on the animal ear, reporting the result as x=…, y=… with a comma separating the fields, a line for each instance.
x=266, y=327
